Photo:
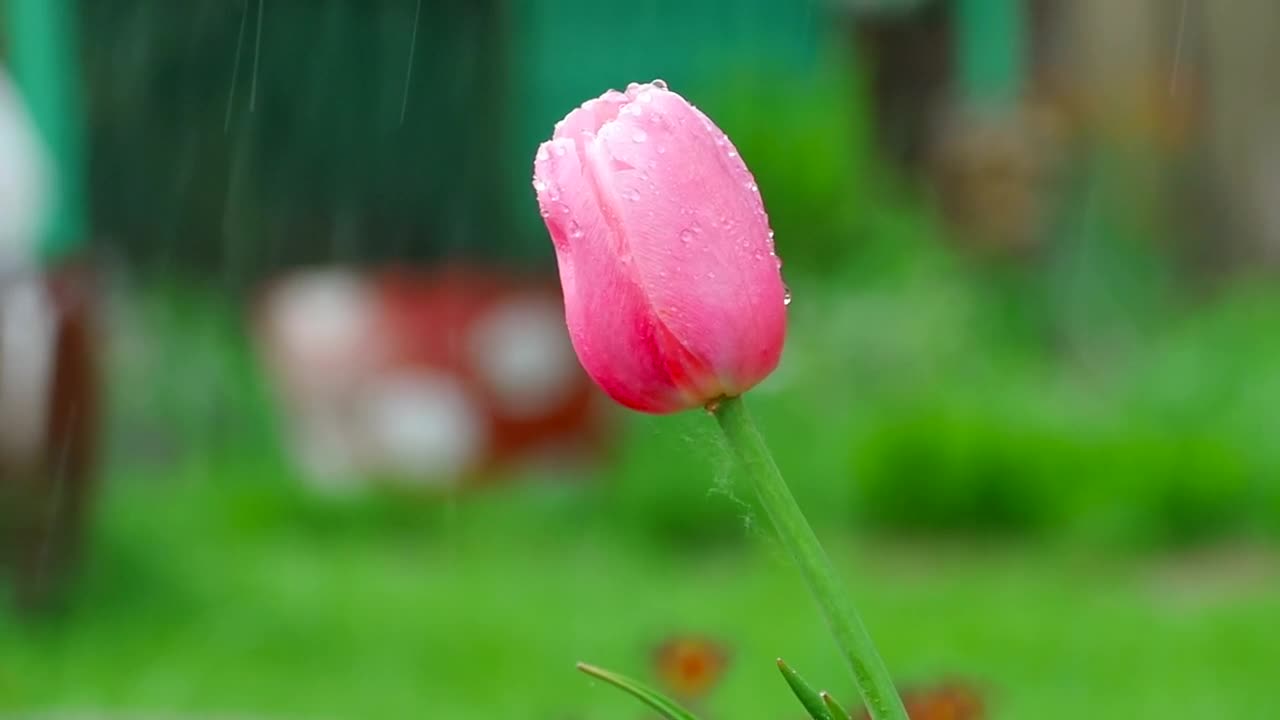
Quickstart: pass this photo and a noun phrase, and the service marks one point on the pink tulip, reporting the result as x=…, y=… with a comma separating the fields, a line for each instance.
x=673, y=294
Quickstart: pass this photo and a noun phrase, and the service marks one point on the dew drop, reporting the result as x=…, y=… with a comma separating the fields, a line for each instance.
x=543, y=154
x=660, y=84
x=645, y=97
x=687, y=235
x=733, y=153
x=560, y=150
x=631, y=194
x=575, y=230
x=545, y=213
x=753, y=187
x=632, y=87
x=639, y=136
x=786, y=295
x=539, y=186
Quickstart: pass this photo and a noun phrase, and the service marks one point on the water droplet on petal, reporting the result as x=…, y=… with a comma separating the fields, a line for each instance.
x=575, y=230
x=543, y=154
x=539, y=186
x=560, y=150
x=639, y=136
x=753, y=187
x=786, y=295
x=645, y=97
x=545, y=212
x=660, y=84
x=631, y=194
x=733, y=153
x=662, y=150
x=632, y=87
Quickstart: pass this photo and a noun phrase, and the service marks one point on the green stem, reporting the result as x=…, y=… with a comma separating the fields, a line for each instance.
x=869, y=672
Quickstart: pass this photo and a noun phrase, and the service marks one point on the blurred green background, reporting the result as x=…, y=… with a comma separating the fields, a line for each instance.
x=1030, y=394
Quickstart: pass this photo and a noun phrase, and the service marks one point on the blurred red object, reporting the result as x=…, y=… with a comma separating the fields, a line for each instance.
x=946, y=701
x=49, y=390
x=433, y=378
x=691, y=666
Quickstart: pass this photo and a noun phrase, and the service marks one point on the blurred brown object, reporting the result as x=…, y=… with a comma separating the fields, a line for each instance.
x=995, y=175
x=908, y=48
x=49, y=391
x=947, y=701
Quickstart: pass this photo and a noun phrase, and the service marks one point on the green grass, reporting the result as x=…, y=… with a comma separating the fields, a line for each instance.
x=254, y=599
x=218, y=585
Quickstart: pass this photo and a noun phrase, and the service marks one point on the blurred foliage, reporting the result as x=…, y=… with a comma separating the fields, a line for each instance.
x=900, y=406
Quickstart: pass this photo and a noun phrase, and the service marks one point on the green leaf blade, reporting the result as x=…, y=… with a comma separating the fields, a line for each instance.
x=834, y=707
x=807, y=696
x=665, y=706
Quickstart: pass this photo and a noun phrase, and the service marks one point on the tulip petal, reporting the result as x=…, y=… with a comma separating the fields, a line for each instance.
x=702, y=247
x=610, y=322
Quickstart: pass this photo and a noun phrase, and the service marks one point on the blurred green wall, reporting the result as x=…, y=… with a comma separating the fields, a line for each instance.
x=229, y=138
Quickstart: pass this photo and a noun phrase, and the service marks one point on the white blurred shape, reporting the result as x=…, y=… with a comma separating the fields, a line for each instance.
x=423, y=426
x=322, y=322
x=522, y=352
x=24, y=180
x=320, y=332
x=28, y=332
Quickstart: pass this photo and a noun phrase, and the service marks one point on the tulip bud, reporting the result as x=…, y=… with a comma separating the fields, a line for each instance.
x=673, y=293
